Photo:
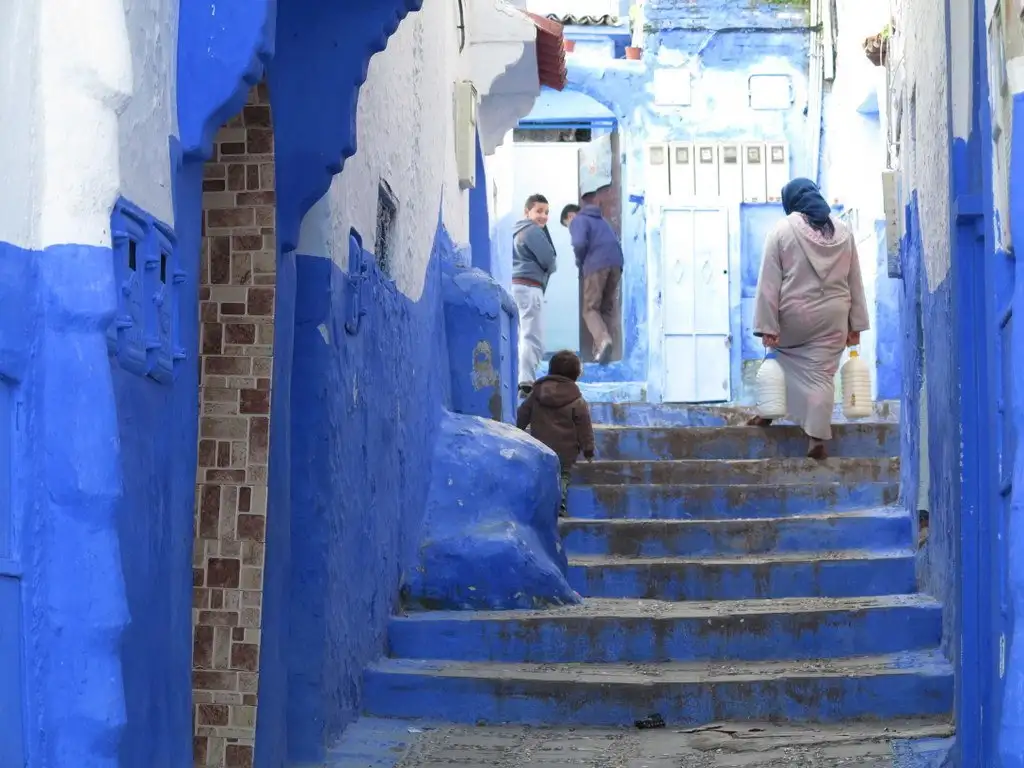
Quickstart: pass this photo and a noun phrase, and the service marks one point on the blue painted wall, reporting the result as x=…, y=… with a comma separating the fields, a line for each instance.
x=722, y=42
x=362, y=430
x=157, y=429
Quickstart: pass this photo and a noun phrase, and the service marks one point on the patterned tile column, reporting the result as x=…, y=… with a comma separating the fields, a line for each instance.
x=237, y=319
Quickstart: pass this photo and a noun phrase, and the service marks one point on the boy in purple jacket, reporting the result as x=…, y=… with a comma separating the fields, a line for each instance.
x=599, y=258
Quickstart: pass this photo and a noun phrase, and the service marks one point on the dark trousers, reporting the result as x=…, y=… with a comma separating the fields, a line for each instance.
x=600, y=303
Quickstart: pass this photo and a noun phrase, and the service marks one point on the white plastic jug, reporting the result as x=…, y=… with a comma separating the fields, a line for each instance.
x=771, y=389
x=856, y=381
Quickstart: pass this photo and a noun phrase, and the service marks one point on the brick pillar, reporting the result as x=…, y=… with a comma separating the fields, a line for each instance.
x=237, y=319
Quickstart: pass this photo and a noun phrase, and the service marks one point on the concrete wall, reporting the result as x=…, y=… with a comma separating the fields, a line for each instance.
x=81, y=521
x=853, y=158
x=361, y=452
x=370, y=375
x=927, y=300
x=151, y=117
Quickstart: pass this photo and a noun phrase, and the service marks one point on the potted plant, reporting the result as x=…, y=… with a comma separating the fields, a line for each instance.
x=876, y=47
x=637, y=28
x=569, y=45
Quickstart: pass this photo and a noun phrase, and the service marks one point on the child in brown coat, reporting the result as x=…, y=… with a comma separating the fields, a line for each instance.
x=558, y=416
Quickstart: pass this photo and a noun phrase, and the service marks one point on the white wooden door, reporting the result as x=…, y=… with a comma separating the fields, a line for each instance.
x=695, y=305
x=553, y=170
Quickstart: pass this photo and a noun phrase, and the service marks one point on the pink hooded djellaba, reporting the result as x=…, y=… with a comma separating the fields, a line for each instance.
x=811, y=295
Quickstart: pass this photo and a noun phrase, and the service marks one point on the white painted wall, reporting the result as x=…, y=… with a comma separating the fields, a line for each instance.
x=19, y=106
x=80, y=65
x=924, y=157
x=503, y=209
x=84, y=82
x=405, y=134
x=853, y=150
x=151, y=116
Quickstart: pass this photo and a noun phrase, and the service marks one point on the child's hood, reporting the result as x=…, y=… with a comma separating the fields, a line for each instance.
x=556, y=391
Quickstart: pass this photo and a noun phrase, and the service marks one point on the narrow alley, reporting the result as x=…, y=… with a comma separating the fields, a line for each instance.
x=511, y=384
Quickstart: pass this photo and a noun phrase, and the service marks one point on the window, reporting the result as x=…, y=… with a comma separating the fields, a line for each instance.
x=543, y=132
x=144, y=335
x=387, y=215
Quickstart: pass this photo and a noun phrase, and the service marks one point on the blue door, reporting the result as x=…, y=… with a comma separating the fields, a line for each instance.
x=12, y=751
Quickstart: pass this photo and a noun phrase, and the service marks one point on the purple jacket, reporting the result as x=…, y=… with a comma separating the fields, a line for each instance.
x=594, y=241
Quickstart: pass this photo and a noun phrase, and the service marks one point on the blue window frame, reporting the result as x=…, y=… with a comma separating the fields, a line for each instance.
x=145, y=334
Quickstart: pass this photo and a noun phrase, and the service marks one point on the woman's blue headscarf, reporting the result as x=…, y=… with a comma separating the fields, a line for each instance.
x=803, y=196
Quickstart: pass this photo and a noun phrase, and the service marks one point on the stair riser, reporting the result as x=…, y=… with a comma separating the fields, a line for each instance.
x=746, y=581
x=678, y=415
x=540, y=702
x=659, y=539
x=725, y=472
x=750, y=637
x=723, y=502
x=656, y=415
x=869, y=440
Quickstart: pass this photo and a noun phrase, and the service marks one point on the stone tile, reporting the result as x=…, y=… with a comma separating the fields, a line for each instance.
x=236, y=347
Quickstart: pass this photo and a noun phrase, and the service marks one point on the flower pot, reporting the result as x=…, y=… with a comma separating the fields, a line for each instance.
x=569, y=45
x=633, y=53
x=876, y=48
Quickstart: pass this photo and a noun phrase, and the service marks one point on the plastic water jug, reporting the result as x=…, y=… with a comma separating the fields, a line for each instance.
x=856, y=381
x=771, y=389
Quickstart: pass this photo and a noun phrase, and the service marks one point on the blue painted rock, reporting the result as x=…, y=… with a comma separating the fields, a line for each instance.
x=490, y=536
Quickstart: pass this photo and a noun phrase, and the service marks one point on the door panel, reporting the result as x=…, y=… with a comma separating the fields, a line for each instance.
x=11, y=684
x=553, y=170
x=695, y=302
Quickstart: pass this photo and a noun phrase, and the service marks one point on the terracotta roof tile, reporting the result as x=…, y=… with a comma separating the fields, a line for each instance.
x=550, y=52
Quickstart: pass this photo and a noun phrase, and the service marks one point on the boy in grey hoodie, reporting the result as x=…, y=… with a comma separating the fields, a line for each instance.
x=533, y=262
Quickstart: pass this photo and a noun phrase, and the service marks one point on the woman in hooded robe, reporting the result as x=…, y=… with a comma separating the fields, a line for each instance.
x=810, y=306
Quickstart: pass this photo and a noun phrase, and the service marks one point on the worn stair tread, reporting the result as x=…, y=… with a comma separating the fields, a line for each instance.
x=798, y=462
x=627, y=608
x=930, y=663
x=888, y=513
x=740, y=431
x=597, y=561
x=775, y=471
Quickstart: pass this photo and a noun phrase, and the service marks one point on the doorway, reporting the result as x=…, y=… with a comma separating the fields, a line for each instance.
x=553, y=170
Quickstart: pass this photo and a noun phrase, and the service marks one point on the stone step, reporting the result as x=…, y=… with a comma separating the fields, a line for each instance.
x=866, y=529
x=724, y=502
x=647, y=631
x=740, y=471
x=850, y=573
x=685, y=415
x=913, y=684
x=875, y=440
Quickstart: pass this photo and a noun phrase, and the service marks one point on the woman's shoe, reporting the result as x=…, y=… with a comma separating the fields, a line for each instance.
x=817, y=450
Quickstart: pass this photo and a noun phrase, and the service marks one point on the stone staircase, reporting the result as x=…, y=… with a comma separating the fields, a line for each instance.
x=725, y=580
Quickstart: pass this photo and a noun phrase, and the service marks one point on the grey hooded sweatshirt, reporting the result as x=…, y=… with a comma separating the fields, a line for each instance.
x=533, y=255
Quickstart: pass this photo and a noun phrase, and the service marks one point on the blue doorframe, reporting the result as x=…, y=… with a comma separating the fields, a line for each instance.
x=983, y=285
